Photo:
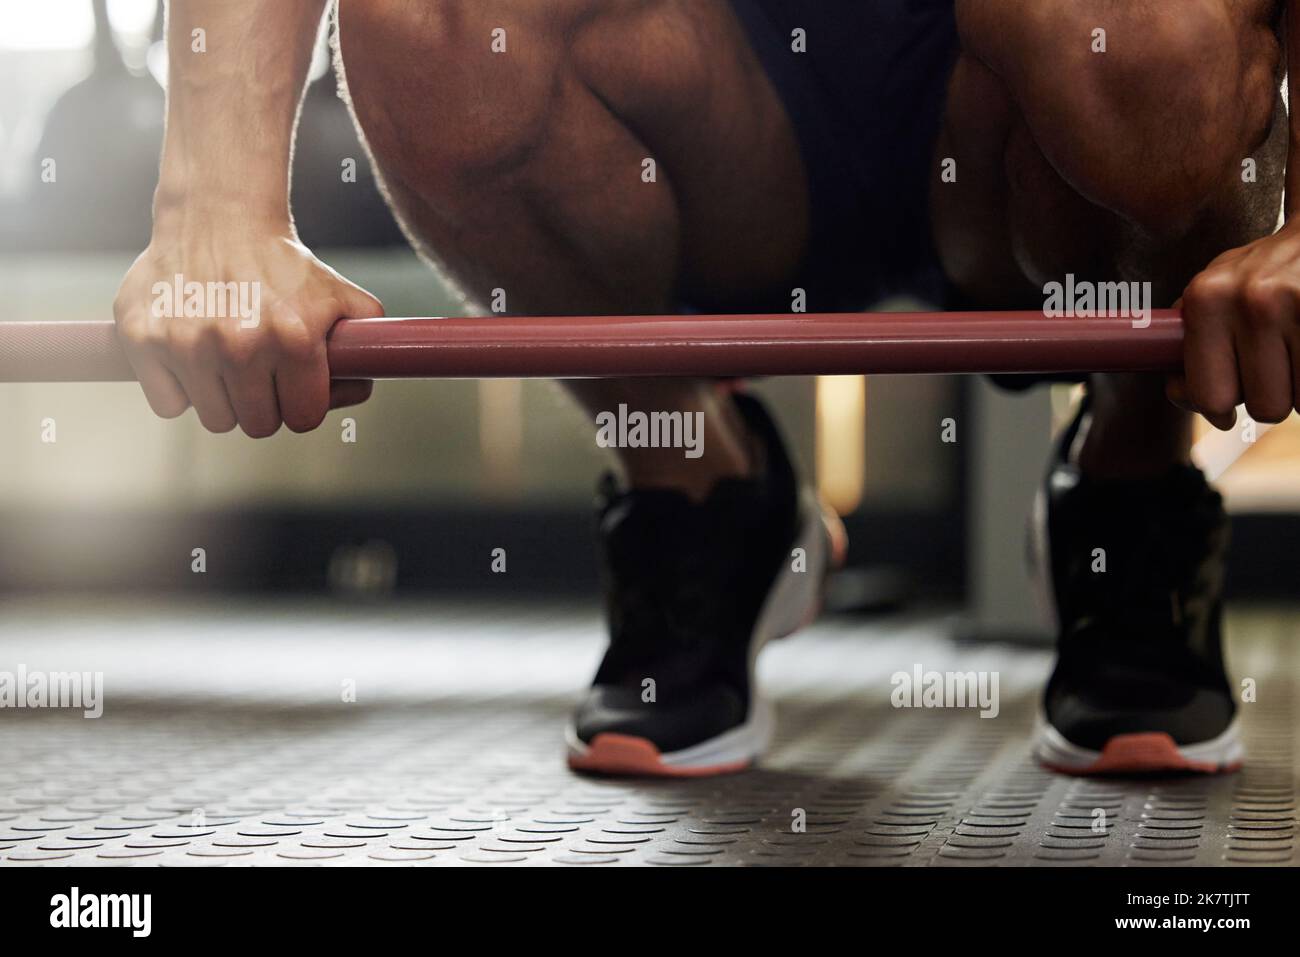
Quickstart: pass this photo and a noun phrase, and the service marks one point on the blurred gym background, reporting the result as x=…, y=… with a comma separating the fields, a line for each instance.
x=441, y=472
x=347, y=665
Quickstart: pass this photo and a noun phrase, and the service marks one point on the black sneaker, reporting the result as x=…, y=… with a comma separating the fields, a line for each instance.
x=1139, y=684
x=693, y=592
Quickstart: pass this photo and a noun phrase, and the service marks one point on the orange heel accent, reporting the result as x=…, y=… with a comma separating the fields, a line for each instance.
x=1145, y=753
x=611, y=753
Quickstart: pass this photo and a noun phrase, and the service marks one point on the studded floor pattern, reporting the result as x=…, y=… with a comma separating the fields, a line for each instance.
x=225, y=740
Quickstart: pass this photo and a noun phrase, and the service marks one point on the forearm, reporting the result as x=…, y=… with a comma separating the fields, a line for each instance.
x=232, y=110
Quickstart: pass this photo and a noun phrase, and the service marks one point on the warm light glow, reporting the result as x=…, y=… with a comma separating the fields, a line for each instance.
x=842, y=441
x=501, y=433
x=1065, y=400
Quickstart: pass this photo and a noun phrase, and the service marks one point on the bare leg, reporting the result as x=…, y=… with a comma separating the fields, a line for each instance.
x=1118, y=165
x=523, y=173
x=1136, y=431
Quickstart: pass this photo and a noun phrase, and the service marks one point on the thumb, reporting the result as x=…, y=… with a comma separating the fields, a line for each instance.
x=356, y=303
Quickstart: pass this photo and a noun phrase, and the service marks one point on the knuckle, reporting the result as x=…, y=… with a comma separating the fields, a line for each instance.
x=182, y=336
x=316, y=313
x=297, y=343
x=135, y=338
x=239, y=348
x=133, y=330
x=1209, y=290
x=123, y=306
x=1260, y=296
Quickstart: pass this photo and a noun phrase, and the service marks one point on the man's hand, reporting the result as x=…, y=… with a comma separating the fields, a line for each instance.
x=221, y=215
x=233, y=372
x=1242, y=316
x=1242, y=312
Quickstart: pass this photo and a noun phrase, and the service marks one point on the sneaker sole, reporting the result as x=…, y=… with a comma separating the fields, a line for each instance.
x=626, y=754
x=1147, y=752
x=793, y=602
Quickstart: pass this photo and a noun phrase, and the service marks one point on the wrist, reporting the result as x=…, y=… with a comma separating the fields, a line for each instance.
x=177, y=210
x=204, y=184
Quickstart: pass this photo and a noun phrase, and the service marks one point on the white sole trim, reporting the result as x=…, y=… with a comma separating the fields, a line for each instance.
x=738, y=745
x=1053, y=748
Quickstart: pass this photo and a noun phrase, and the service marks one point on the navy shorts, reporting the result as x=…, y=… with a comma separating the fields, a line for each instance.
x=866, y=100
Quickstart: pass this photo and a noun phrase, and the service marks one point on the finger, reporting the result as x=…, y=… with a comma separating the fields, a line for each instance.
x=1210, y=365
x=302, y=378
x=207, y=393
x=1266, y=374
x=1213, y=389
x=302, y=385
x=252, y=395
x=161, y=389
x=346, y=392
x=356, y=303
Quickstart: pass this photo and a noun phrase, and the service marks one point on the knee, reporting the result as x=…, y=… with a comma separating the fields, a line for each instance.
x=1188, y=95
x=1148, y=113
x=447, y=90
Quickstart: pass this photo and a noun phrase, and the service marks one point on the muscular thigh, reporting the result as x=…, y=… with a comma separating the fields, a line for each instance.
x=691, y=88
x=484, y=151
x=1127, y=166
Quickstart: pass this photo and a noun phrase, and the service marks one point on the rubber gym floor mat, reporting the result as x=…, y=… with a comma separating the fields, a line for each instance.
x=306, y=734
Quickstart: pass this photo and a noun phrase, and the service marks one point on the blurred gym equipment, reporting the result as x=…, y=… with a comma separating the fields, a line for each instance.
x=101, y=143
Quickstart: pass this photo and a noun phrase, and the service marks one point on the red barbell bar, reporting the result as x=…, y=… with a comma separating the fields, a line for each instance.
x=618, y=346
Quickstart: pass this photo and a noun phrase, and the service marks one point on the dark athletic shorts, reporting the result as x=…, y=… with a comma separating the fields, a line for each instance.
x=866, y=100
